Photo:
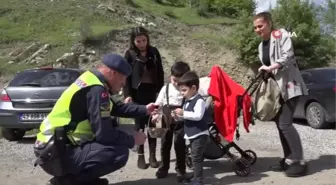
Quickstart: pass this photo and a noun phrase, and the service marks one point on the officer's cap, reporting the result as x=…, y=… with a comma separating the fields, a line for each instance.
x=118, y=63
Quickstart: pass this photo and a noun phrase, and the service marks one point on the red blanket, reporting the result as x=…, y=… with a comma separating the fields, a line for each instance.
x=225, y=92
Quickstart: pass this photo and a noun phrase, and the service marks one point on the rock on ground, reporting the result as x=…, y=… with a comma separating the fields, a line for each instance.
x=319, y=145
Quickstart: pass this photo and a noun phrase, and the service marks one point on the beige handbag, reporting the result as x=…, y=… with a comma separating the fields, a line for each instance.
x=267, y=100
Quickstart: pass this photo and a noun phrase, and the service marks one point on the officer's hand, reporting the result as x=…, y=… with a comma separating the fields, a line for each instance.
x=128, y=100
x=152, y=108
x=139, y=137
x=155, y=118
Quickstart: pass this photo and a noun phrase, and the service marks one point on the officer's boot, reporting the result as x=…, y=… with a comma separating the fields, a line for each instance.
x=60, y=181
x=152, y=152
x=141, y=158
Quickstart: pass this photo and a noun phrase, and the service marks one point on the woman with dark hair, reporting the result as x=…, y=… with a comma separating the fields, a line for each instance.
x=277, y=57
x=143, y=84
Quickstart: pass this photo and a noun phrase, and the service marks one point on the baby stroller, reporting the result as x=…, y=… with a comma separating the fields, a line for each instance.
x=216, y=146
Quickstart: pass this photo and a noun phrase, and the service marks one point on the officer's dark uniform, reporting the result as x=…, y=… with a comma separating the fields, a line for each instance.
x=109, y=151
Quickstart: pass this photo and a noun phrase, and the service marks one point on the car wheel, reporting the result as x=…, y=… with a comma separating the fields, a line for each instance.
x=315, y=116
x=13, y=134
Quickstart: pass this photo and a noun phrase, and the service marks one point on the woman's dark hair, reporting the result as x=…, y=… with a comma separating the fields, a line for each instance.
x=138, y=31
x=189, y=79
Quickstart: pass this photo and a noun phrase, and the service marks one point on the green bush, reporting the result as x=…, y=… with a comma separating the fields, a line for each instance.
x=244, y=39
x=203, y=8
x=232, y=8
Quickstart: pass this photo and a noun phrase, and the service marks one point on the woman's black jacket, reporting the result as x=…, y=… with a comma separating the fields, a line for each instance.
x=152, y=61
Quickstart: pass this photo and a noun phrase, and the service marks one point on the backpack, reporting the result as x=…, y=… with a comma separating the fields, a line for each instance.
x=267, y=100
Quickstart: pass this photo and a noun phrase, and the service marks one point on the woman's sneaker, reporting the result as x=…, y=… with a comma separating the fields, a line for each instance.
x=297, y=169
x=282, y=166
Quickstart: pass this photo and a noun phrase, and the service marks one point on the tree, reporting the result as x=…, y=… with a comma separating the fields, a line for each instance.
x=329, y=16
x=301, y=17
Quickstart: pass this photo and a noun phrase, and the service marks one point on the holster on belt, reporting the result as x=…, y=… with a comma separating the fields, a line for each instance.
x=50, y=156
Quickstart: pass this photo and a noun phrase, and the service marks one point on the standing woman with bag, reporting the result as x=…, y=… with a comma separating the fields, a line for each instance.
x=143, y=84
x=277, y=56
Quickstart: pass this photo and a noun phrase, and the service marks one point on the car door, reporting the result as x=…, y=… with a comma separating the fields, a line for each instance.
x=300, y=108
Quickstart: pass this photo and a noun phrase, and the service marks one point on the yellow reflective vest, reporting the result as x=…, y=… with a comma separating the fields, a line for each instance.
x=61, y=115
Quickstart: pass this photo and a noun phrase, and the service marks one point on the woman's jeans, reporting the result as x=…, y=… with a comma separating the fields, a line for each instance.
x=145, y=94
x=289, y=137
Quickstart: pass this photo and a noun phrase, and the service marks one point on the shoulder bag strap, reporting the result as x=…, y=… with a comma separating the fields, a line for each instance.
x=167, y=94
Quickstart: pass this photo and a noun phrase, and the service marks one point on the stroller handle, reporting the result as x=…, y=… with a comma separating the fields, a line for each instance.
x=255, y=79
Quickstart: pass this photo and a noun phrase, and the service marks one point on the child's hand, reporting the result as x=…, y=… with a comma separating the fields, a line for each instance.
x=178, y=112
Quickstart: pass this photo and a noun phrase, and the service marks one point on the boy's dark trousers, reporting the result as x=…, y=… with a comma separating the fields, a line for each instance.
x=197, y=149
x=177, y=132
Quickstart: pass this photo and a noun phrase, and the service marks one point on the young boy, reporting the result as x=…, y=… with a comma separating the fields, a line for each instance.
x=195, y=126
x=172, y=99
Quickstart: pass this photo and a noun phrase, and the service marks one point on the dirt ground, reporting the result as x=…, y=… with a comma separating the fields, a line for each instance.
x=16, y=159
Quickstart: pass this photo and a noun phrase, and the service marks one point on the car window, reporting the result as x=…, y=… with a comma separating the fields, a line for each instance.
x=307, y=77
x=329, y=76
x=45, y=78
x=325, y=76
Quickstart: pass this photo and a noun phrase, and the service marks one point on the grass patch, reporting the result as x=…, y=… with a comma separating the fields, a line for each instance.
x=215, y=39
x=58, y=23
x=184, y=14
x=55, y=22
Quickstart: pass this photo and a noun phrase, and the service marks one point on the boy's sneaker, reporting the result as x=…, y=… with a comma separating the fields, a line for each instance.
x=297, y=169
x=184, y=178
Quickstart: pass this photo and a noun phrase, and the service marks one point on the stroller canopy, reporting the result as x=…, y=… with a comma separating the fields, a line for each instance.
x=225, y=92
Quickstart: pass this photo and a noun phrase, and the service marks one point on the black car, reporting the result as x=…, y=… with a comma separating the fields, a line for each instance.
x=318, y=108
x=30, y=96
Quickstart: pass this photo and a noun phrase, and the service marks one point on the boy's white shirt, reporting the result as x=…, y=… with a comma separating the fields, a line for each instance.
x=195, y=115
x=175, y=99
x=175, y=96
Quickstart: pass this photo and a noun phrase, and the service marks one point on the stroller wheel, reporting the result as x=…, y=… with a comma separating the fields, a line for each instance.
x=241, y=167
x=251, y=156
x=189, y=163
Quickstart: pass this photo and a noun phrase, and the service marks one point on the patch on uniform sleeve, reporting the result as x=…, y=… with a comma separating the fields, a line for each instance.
x=105, y=109
x=105, y=106
x=80, y=83
x=104, y=95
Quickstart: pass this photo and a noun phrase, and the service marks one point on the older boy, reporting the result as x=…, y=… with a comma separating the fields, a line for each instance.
x=171, y=97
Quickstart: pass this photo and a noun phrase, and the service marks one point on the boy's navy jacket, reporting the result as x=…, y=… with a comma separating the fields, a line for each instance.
x=193, y=127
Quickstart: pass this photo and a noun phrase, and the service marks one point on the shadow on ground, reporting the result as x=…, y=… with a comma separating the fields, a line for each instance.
x=302, y=122
x=27, y=140
x=222, y=166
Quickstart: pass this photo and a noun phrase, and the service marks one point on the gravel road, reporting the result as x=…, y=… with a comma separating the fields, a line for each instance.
x=16, y=160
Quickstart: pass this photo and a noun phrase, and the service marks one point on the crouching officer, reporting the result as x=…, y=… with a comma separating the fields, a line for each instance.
x=77, y=144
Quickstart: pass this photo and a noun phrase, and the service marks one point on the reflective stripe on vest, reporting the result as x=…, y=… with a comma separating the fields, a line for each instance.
x=61, y=116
